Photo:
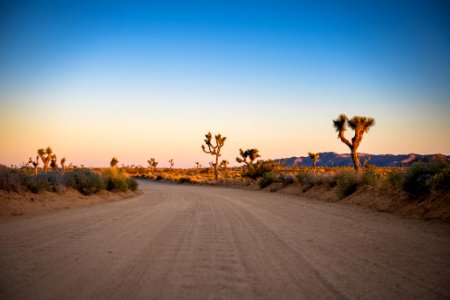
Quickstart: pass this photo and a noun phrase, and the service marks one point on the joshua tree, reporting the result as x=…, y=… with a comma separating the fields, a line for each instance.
x=360, y=125
x=152, y=163
x=251, y=154
x=46, y=156
x=34, y=163
x=54, y=163
x=224, y=164
x=63, y=165
x=198, y=165
x=171, y=162
x=114, y=162
x=314, y=157
x=214, y=149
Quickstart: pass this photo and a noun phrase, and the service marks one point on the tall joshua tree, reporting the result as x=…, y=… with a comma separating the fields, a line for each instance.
x=171, y=162
x=214, y=150
x=314, y=157
x=251, y=154
x=46, y=156
x=360, y=125
x=114, y=162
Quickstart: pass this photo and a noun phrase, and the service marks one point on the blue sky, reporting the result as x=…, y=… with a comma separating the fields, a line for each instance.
x=155, y=76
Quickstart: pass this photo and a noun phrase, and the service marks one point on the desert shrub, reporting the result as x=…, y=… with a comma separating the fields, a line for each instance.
x=37, y=184
x=370, y=177
x=85, y=181
x=266, y=179
x=440, y=181
x=286, y=178
x=10, y=180
x=347, y=183
x=395, y=179
x=421, y=178
x=115, y=179
x=55, y=181
x=308, y=180
x=159, y=177
x=259, y=169
x=132, y=184
x=184, y=180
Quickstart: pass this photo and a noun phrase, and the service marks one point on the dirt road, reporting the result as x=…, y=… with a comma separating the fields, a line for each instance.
x=191, y=242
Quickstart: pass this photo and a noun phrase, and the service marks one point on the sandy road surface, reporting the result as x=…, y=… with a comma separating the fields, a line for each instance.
x=191, y=242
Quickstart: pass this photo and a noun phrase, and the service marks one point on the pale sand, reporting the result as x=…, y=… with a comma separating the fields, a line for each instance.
x=194, y=242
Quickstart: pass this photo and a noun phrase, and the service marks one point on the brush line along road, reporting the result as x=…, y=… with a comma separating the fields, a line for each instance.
x=194, y=242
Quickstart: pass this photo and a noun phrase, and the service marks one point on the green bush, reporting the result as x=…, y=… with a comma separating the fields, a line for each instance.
x=115, y=180
x=370, y=177
x=440, y=181
x=11, y=180
x=421, y=178
x=132, y=184
x=308, y=180
x=266, y=180
x=37, y=184
x=85, y=181
x=258, y=169
x=395, y=179
x=286, y=178
x=347, y=183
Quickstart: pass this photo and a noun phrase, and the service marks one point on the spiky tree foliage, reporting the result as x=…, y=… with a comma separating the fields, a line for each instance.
x=152, y=163
x=171, y=162
x=54, y=163
x=360, y=125
x=214, y=149
x=114, y=162
x=248, y=157
x=314, y=157
x=46, y=156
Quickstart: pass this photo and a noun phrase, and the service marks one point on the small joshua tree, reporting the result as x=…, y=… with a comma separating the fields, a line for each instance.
x=314, y=157
x=251, y=154
x=360, y=125
x=63, y=165
x=152, y=163
x=35, y=164
x=198, y=165
x=46, y=156
x=54, y=163
x=224, y=164
x=214, y=150
x=171, y=162
x=114, y=162
x=366, y=161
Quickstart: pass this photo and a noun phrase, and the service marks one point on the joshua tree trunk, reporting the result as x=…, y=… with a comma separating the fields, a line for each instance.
x=216, y=173
x=355, y=158
x=314, y=165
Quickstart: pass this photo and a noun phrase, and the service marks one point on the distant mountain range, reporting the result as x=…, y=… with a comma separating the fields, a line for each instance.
x=382, y=160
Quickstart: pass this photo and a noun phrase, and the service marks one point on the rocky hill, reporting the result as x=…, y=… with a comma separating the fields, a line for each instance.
x=382, y=160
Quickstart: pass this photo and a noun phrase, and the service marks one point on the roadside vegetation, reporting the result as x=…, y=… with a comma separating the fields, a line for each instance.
x=54, y=177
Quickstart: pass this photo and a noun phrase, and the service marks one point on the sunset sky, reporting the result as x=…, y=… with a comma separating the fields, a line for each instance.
x=96, y=79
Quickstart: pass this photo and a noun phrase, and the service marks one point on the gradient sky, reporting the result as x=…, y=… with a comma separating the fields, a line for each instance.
x=96, y=79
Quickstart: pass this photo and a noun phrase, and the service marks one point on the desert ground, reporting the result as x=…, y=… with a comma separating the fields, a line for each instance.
x=202, y=242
